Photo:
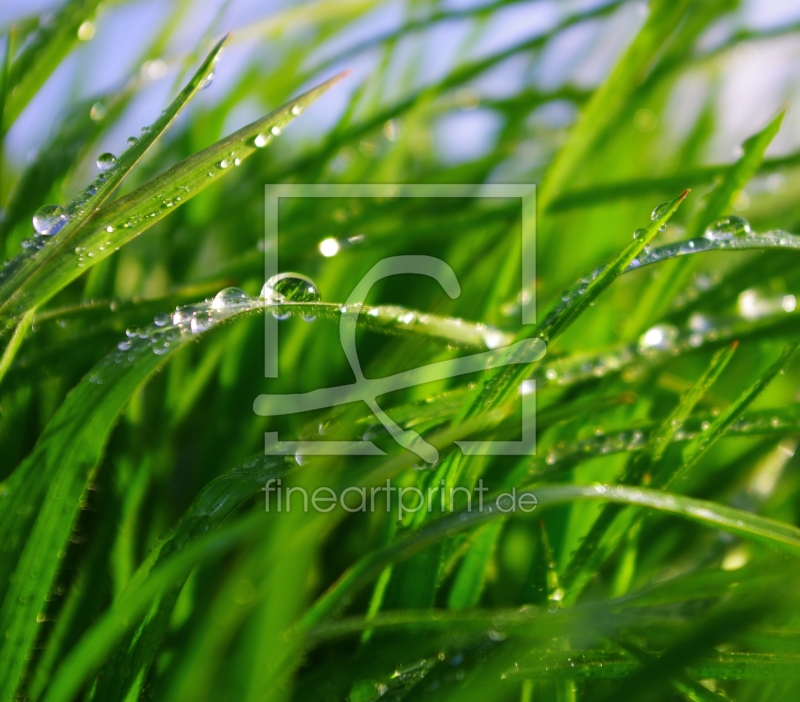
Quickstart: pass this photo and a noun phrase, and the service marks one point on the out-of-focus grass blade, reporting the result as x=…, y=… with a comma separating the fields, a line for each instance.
x=31, y=268
x=612, y=97
x=121, y=221
x=43, y=53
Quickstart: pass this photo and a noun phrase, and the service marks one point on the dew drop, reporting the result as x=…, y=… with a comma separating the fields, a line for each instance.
x=275, y=130
x=297, y=110
x=48, y=220
x=132, y=140
x=208, y=80
x=229, y=297
x=728, y=228
x=106, y=161
x=201, y=321
x=262, y=140
x=224, y=163
x=658, y=211
x=638, y=233
x=161, y=320
x=290, y=287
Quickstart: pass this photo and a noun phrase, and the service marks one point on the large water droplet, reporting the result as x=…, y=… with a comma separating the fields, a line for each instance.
x=290, y=287
x=48, y=220
x=275, y=130
x=728, y=228
x=131, y=140
x=106, y=161
x=262, y=140
x=229, y=297
x=297, y=110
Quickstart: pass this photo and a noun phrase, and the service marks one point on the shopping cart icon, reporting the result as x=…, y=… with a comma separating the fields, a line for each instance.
x=367, y=390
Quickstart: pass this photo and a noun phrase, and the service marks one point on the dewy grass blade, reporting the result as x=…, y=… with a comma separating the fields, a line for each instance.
x=116, y=224
x=575, y=303
x=22, y=272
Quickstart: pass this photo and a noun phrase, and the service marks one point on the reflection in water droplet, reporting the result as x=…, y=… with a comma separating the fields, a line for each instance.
x=50, y=219
x=106, y=161
x=290, y=287
x=728, y=228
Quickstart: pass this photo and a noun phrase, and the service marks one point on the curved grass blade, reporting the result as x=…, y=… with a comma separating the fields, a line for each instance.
x=751, y=526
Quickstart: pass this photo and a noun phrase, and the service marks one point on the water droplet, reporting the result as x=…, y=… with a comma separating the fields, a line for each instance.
x=224, y=163
x=229, y=297
x=109, y=229
x=132, y=140
x=201, y=320
x=262, y=140
x=48, y=220
x=658, y=211
x=237, y=162
x=728, y=228
x=275, y=130
x=290, y=287
x=208, y=80
x=638, y=233
x=106, y=161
